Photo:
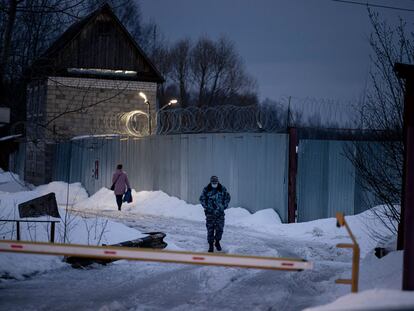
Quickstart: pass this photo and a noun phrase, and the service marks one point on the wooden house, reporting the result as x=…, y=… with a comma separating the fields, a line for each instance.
x=89, y=76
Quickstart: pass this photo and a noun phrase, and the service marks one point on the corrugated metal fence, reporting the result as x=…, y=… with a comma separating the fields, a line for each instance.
x=252, y=166
x=17, y=160
x=327, y=180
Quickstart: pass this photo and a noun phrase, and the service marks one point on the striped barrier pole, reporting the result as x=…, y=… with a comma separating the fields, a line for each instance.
x=145, y=254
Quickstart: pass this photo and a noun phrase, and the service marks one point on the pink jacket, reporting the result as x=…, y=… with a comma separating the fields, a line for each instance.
x=122, y=182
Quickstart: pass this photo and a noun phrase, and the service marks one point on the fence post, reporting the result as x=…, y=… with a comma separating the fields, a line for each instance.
x=18, y=230
x=293, y=168
x=52, y=232
x=355, y=268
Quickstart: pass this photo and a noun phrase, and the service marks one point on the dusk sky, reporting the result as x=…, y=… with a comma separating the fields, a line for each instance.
x=301, y=48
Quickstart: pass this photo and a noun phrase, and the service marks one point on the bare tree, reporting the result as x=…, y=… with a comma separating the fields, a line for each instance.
x=28, y=28
x=180, y=69
x=203, y=56
x=219, y=75
x=380, y=164
x=209, y=73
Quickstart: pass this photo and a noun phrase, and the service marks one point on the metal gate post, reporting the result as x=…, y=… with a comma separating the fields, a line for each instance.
x=52, y=232
x=293, y=169
x=406, y=237
x=340, y=221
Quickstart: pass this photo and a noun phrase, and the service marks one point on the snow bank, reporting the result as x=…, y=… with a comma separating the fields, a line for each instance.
x=155, y=203
x=10, y=182
x=76, y=229
x=242, y=217
x=385, y=272
x=367, y=227
x=79, y=230
x=378, y=276
x=374, y=299
x=158, y=203
x=73, y=228
x=382, y=274
x=9, y=203
x=76, y=192
x=103, y=199
x=7, y=176
x=21, y=266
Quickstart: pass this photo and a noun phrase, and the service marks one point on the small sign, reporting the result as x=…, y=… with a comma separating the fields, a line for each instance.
x=96, y=171
x=42, y=206
x=4, y=115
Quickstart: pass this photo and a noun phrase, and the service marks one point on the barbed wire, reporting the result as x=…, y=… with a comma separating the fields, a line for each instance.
x=323, y=113
x=133, y=123
x=277, y=117
x=225, y=118
x=232, y=119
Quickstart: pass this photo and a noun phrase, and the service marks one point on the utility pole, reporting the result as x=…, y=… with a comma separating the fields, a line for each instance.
x=406, y=72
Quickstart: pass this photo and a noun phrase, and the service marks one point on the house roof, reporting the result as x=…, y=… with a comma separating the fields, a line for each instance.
x=44, y=64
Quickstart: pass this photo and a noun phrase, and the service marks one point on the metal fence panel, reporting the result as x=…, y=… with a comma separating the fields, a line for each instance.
x=327, y=180
x=341, y=180
x=311, y=180
x=252, y=166
x=17, y=161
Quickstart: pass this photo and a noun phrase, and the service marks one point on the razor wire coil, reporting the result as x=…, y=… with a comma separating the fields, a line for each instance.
x=231, y=119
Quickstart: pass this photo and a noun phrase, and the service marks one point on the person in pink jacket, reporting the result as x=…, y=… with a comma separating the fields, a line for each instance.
x=121, y=182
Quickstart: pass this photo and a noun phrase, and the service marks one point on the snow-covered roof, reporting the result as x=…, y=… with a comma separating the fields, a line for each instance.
x=10, y=137
x=95, y=136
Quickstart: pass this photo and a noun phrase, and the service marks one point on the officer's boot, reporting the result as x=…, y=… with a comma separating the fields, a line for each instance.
x=218, y=246
x=211, y=248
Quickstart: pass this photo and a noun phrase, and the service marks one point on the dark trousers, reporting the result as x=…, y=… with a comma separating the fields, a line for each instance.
x=119, y=200
x=215, y=226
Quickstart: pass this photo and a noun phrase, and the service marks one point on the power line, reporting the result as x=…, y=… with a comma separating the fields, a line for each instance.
x=367, y=4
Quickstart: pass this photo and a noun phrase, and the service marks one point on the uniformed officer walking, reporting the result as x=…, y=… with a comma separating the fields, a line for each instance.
x=214, y=199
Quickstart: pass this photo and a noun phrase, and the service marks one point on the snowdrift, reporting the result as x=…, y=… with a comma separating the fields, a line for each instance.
x=97, y=230
x=158, y=203
x=73, y=228
x=374, y=299
x=366, y=226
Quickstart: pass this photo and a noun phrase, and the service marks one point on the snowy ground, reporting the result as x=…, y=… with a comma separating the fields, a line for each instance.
x=34, y=282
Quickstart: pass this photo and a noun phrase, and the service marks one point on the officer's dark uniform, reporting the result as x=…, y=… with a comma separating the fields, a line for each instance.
x=214, y=201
